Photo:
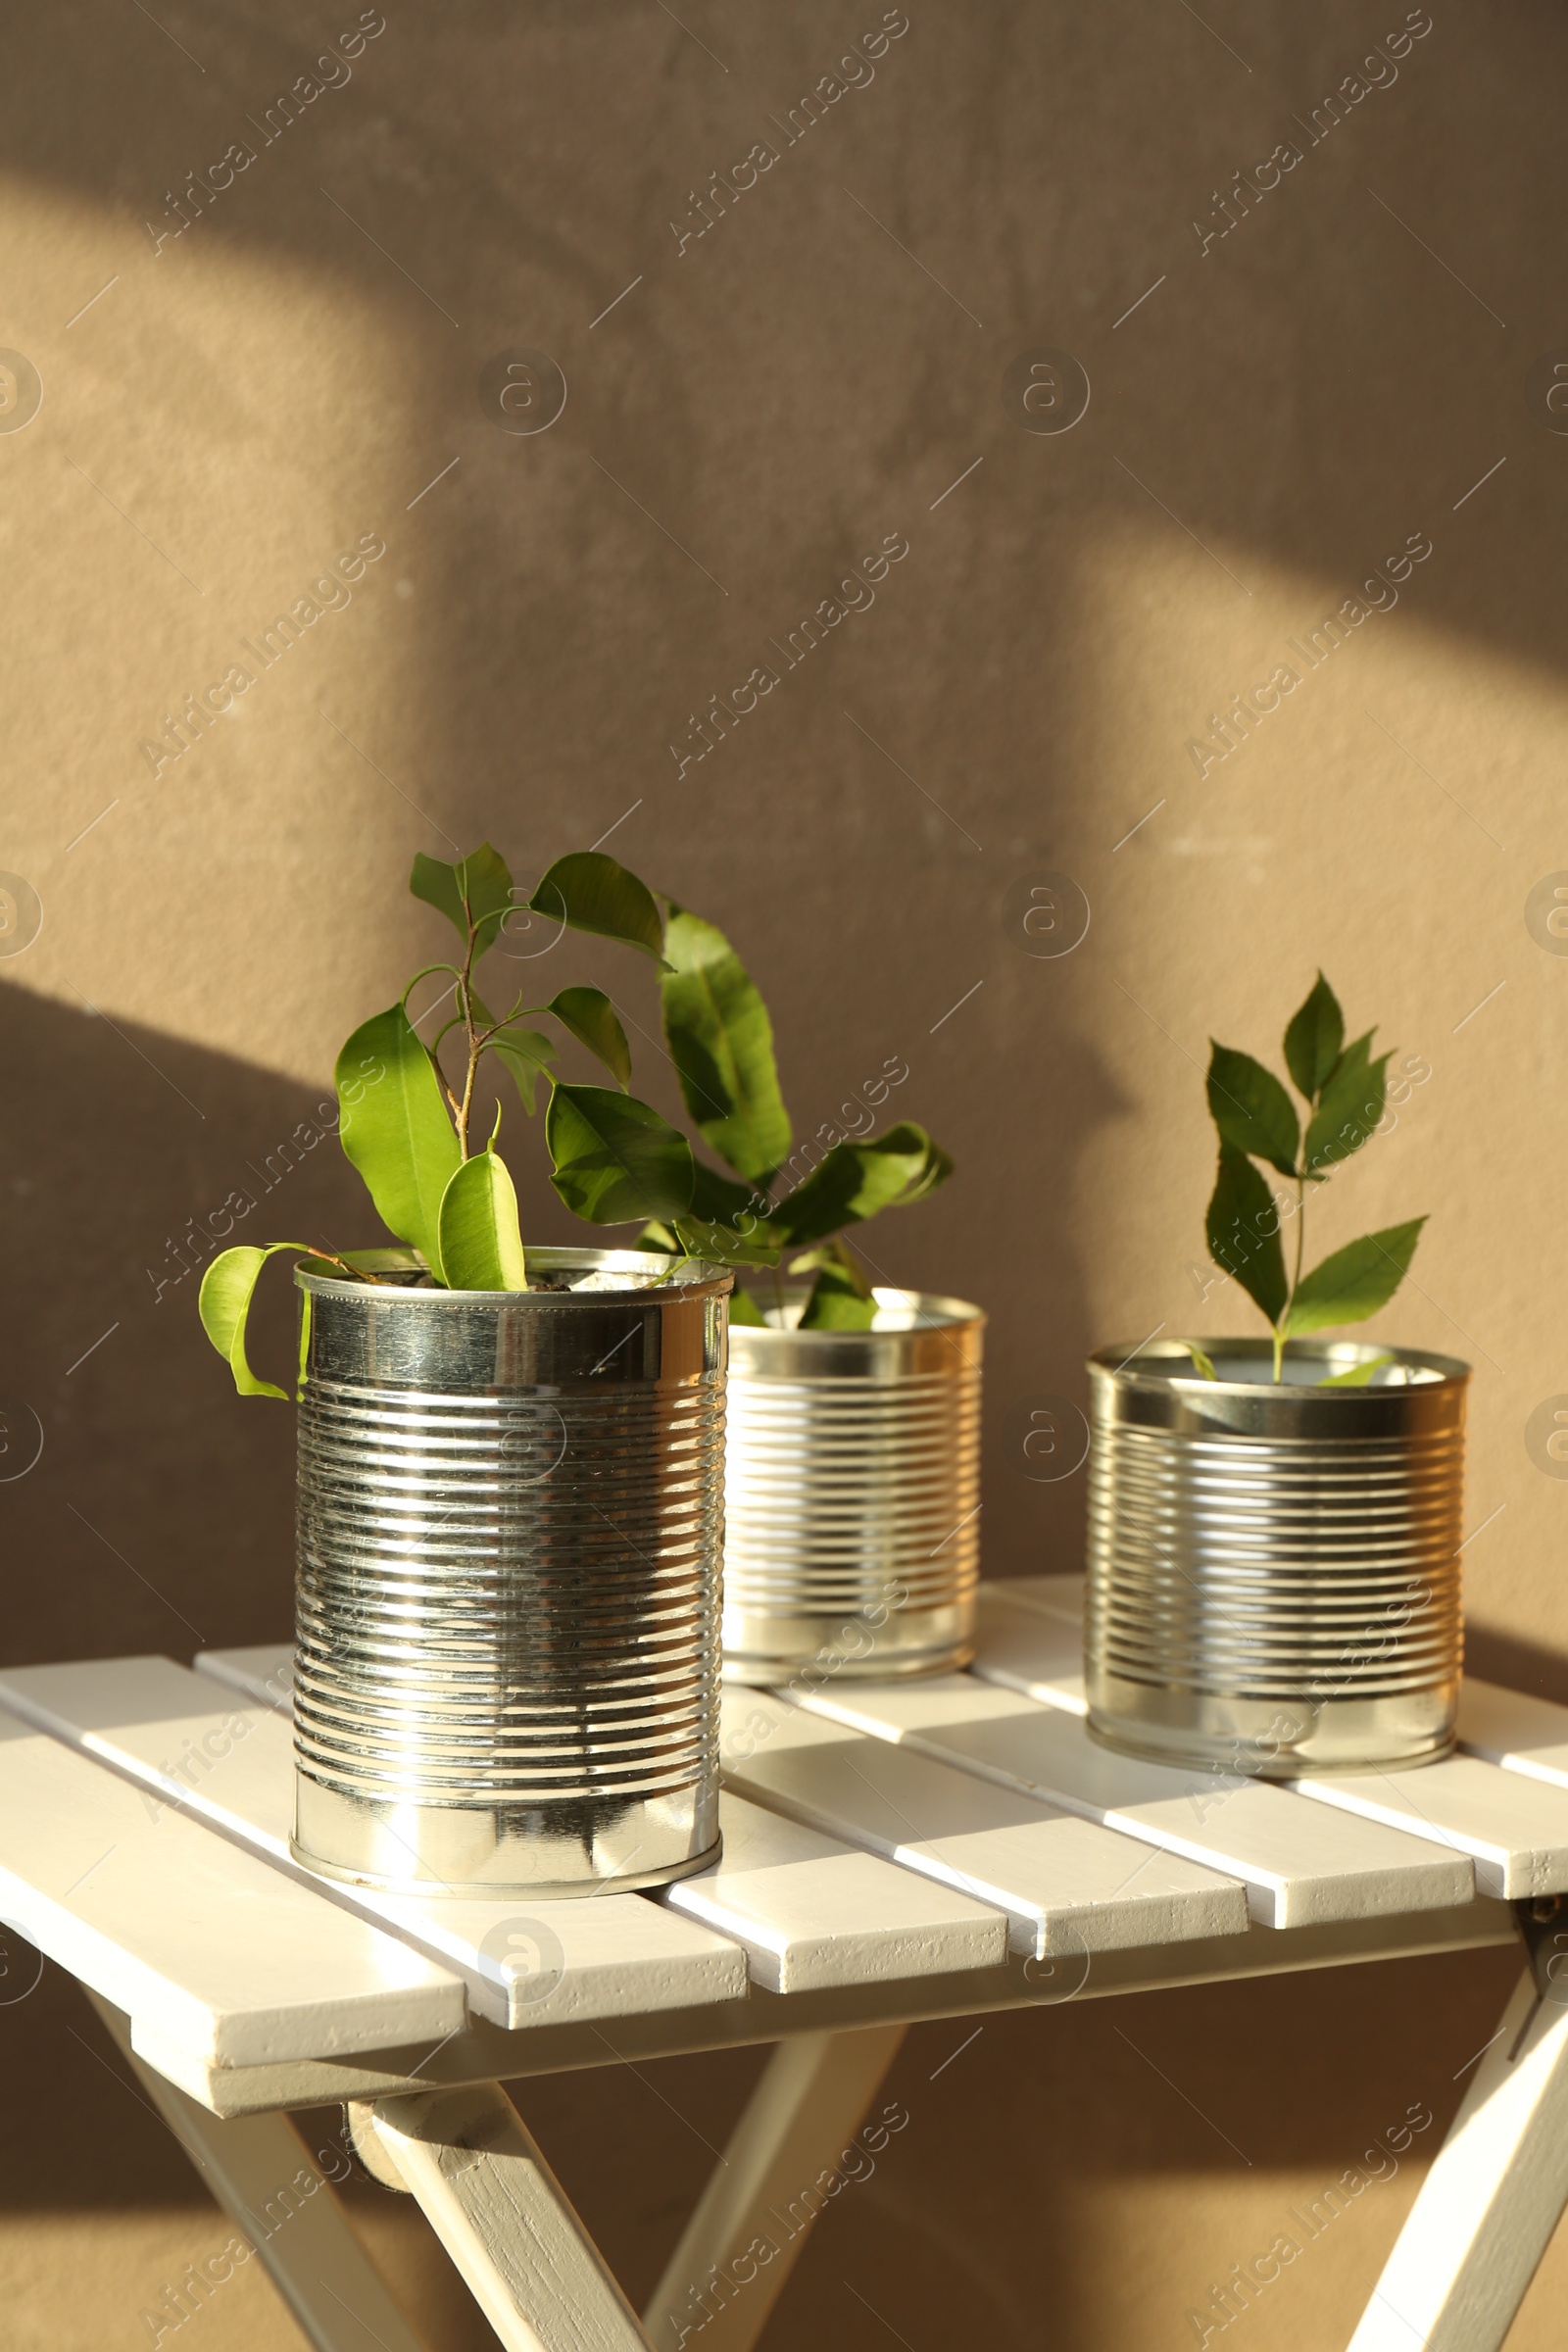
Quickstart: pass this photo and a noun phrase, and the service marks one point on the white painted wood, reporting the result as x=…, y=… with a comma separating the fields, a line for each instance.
x=1511, y=1728
x=1028, y=1650
x=231, y=1764
x=263, y=1672
x=504, y=2219
x=1515, y=1829
x=1487, y=2208
x=277, y=2188
x=812, y=1913
x=1297, y=1865
x=802, y=2137
x=1066, y=1885
x=1058, y=1596
x=207, y=1947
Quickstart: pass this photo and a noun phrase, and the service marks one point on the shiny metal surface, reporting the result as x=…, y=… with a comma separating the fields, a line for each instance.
x=509, y=1536
x=1274, y=1572
x=852, y=1493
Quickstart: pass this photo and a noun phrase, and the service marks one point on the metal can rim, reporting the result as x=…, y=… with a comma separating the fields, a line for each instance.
x=700, y=1279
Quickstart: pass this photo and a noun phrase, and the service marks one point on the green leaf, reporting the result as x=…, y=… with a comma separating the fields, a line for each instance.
x=1358, y=1376
x=1356, y=1279
x=615, y=1159
x=855, y=1181
x=1251, y=1110
x=527, y=1053
x=1243, y=1231
x=1201, y=1362
x=1313, y=1040
x=743, y=1309
x=722, y=1042
x=395, y=1129
x=477, y=886
x=591, y=1017
x=837, y=1303
x=1351, y=1108
x=225, y=1302
x=481, y=1247
x=655, y=1234
x=592, y=893
x=724, y=1245
x=720, y=1201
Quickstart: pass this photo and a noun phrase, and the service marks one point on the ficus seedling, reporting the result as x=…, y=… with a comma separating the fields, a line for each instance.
x=1344, y=1088
x=407, y=1104
x=720, y=1040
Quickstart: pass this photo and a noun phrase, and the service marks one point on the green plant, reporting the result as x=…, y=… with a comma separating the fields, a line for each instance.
x=1344, y=1088
x=406, y=1123
x=720, y=1040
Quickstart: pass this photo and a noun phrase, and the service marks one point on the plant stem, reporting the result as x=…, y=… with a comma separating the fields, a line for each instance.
x=466, y=1001
x=1284, y=1323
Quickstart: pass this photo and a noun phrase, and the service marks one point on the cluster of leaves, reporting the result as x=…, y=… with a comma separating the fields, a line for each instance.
x=1344, y=1088
x=405, y=1121
x=720, y=1040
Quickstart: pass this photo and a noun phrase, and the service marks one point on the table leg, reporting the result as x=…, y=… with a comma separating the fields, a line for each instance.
x=505, y=2222
x=262, y=2176
x=781, y=2166
x=1496, y=2190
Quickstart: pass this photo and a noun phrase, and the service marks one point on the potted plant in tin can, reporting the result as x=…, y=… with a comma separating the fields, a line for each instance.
x=510, y=1460
x=1275, y=1524
x=853, y=1484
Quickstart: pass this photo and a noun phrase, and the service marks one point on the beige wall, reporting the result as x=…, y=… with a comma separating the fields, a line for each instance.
x=1277, y=417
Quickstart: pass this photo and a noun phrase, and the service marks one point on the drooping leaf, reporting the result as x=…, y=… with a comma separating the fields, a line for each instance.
x=655, y=1234
x=481, y=1245
x=615, y=1159
x=1314, y=1038
x=482, y=880
x=722, y=1042
x=1202, y=1363
x=743, y=1309
x=593, y=892
x=1251, y=1110
x=1358, y=1376
x=837, y=1303
x=724, y=1245
x=1243, y=1231
x=527, y=1053
x=855, y=1181
x=225, y=1302
x=1355, y=1281
x=591, y=1017
x=394, y=1127
x=721, y=1200
x=1351, y=1108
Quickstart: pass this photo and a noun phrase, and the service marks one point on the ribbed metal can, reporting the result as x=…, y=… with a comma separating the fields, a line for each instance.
x=852, y=1491
x=510, y=1539
x=1274, y=1571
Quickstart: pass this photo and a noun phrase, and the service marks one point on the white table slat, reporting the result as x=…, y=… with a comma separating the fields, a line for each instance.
x=1514, y=1829
x=1023, y=1648
x=265, y=1671
x=1055, y=1595
x=231, y=1765
x=1512, y=1727
x=811, y=1913
x=1067, y=1885
x=202, y=1945
x=1298, y=1868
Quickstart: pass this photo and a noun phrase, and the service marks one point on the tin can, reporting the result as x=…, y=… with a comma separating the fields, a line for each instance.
x=510, y=1538
x=852, y=1491
x=1274, y=1571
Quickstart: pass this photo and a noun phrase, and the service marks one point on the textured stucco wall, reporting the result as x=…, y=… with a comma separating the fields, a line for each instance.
x=1362, y=359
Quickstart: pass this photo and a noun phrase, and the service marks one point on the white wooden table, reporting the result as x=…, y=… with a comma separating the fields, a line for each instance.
x=893, y=1852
